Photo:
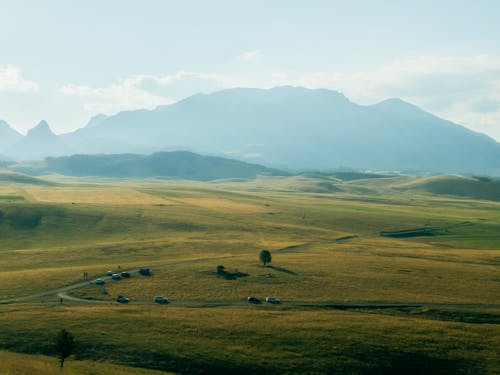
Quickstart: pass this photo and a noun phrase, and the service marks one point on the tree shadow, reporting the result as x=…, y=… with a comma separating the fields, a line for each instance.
x=281, y=269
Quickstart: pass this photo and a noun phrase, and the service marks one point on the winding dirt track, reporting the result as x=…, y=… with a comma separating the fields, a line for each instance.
x=62, y=292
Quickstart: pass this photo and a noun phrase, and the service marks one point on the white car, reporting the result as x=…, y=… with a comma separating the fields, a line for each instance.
x=273, y=300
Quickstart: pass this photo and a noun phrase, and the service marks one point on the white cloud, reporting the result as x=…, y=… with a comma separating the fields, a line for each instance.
x=11, y=80
x=143, y=91
x=253, y=55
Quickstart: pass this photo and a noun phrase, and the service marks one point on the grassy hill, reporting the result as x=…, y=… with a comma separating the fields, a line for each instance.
x=7, y=176
x=178, y=164
x=433, y=299
x=470, y=187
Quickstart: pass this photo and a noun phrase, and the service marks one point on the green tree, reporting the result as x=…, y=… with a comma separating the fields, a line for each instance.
x=265, y=257
x=221, y=271
x=65, y=344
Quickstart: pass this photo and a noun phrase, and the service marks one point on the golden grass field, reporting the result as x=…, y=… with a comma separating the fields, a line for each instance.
x=22, y=364
x=353, y=301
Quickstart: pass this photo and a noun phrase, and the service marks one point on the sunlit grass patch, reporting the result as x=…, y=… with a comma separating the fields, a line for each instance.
x=104, y=195
x=25, y=364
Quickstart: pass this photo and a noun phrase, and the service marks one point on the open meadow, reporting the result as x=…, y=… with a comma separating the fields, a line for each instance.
x=375, y=275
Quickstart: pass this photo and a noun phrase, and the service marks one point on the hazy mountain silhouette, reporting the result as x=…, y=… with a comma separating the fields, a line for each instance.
x=288, y=127
x=297, y=128
x=39, y=143
x=8, y=136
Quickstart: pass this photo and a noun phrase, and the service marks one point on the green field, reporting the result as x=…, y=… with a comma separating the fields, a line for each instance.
x=353, y=301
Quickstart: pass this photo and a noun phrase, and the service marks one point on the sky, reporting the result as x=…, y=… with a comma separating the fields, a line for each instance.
x=66, y=61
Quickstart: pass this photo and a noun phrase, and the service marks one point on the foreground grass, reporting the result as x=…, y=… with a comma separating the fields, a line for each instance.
x=248, y=340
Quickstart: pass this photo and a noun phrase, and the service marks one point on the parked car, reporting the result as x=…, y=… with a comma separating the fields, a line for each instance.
x=273, y=300
x=253, y=300
x=125, y=274
x=145, y=271
x=109, y=273
x=161, y=300
x=122, y=299
x=116, y=276
x=99, y=281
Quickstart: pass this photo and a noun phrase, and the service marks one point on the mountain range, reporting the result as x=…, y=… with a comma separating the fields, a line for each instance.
x=286, y=127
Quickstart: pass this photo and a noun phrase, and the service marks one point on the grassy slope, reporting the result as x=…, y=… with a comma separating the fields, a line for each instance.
x=459, y=186
x=170, y=222
x=22, y=364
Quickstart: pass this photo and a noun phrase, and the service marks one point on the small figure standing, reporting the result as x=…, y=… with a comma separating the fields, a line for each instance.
x=60, y=301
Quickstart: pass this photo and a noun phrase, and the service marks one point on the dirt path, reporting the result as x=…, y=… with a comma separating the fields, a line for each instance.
x=63, y=292
x=68, y=288
x=360, y=305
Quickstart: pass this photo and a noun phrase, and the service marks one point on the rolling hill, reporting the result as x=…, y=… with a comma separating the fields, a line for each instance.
x=181, y=164
x=470, y=187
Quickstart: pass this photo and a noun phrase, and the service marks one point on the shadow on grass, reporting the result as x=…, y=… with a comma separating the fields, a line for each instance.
x=416, y=363
x=233, y=275
x=281, y=269
x=225, y=274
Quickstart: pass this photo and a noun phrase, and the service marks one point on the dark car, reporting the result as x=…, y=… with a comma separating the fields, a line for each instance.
x=125, y=274
x=145, y=271
x=122, y=299
x=253, y=300
x=161, y=300
x=99, y=281
x=273, y=300
x=116, y=276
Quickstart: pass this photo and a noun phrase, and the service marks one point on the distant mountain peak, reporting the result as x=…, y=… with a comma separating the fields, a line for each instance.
x=42, y=128
x=396, y=103
x=38, y=143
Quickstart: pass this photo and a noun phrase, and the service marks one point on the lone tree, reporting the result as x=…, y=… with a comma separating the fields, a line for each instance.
x=265, y=257
x=221, y=271
x=65, y=344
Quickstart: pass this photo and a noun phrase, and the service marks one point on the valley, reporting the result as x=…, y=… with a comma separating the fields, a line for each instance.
x=353, y=301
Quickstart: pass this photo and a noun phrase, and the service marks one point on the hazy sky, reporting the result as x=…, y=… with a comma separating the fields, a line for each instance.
x=67, y=60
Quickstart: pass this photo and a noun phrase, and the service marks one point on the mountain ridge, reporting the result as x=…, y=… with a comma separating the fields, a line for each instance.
x=296, y=128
